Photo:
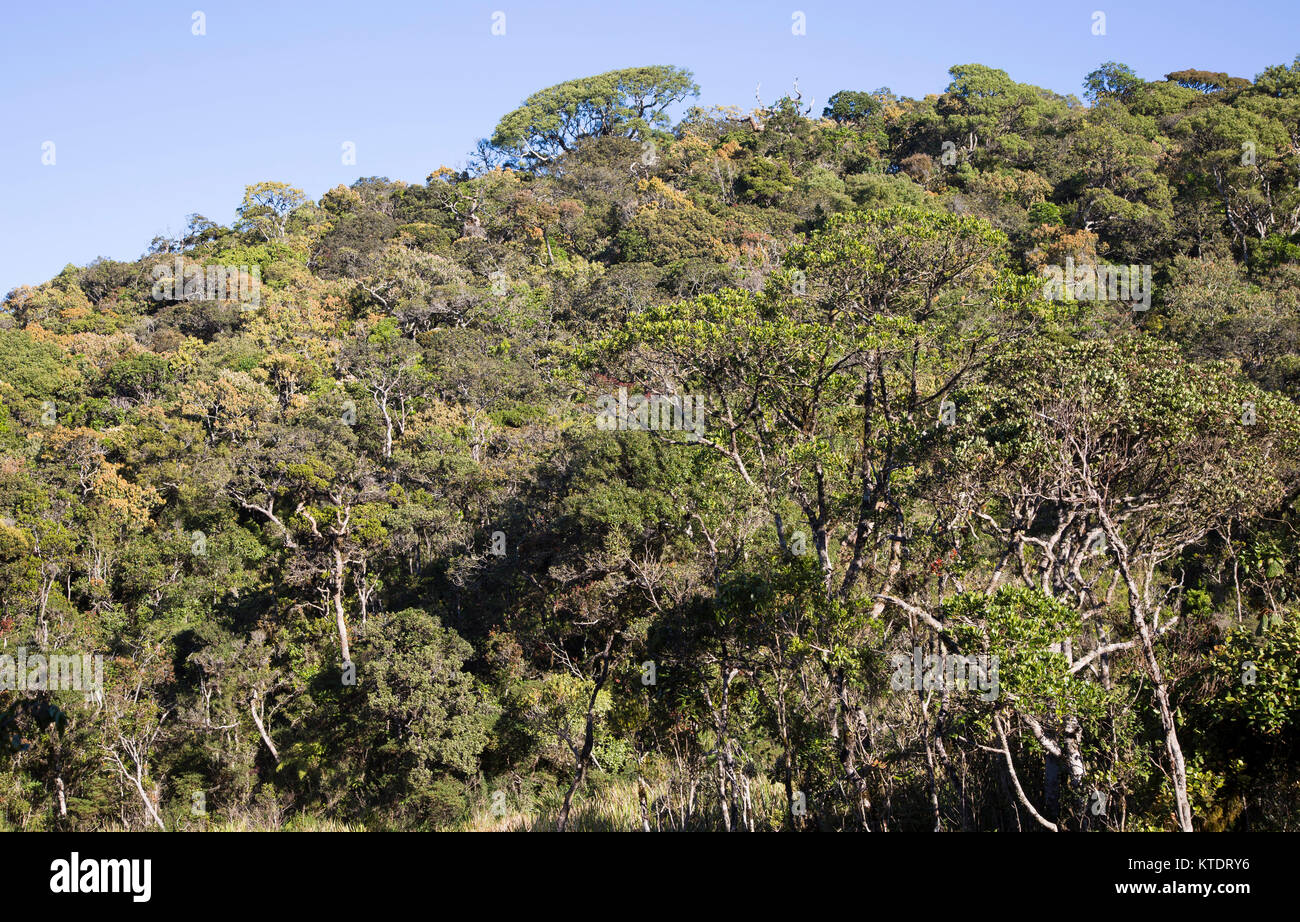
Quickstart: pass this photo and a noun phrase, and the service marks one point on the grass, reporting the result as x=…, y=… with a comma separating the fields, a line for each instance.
x=615, y=807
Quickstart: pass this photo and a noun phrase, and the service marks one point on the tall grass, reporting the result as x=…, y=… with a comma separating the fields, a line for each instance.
x=615, y=806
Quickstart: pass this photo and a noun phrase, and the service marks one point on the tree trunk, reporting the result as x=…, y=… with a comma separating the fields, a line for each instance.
x=1137, y=605
x=1181, y=802
x=388, y=429
x=588, y=737
x=148, y=804
x=261, y=729
x=337, y=591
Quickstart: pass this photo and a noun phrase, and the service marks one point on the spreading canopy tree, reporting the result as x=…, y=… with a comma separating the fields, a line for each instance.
x=630, y=102
x=851, y=106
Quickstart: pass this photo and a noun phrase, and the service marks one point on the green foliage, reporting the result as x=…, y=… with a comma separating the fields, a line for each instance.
x=630, y=102
x=431, y=716
x=851, y=106
x=1112, y=81
x=368, y=554
x=1261, y=676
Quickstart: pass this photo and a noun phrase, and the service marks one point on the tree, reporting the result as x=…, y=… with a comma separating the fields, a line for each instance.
x=630, y=102
x=1111, y=81
x=1114, y=163
x=387, y=364
x=824, y=399
x=1205, y=81
x=426, y=718
x=982, y=104
x=1118, y=450
x=851, y=106
x=1279, y=81
x=889, y=447
x=1242, y=159
x=266, y=208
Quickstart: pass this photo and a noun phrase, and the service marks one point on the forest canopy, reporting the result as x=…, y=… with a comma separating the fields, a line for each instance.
x=676, y=467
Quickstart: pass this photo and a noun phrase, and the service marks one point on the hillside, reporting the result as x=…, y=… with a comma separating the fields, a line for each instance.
x=908, y=464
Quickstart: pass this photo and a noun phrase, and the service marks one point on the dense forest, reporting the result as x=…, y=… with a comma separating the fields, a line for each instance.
x=902, y=464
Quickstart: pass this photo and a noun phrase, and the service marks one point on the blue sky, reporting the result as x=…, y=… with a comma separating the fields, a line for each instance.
x=151, y=123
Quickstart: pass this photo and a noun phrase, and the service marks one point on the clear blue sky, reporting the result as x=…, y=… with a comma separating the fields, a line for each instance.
x=152, y=123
